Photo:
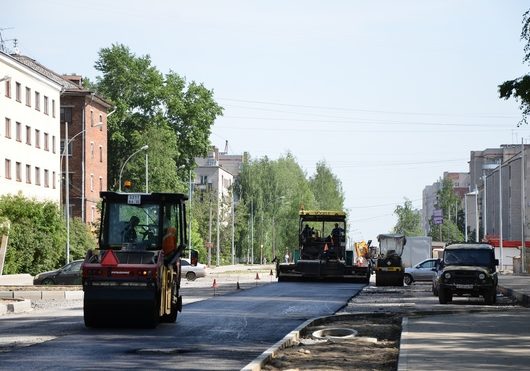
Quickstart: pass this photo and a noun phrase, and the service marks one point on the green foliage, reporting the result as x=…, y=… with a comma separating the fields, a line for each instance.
x=172, y=117
x=448, y=201
x=409, y=220
x=37, y=235
x=519, y=88
x=327, y=188
x=37, y=238
x=81, y=239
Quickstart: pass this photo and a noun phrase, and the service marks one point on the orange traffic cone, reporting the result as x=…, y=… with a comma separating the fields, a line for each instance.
x=271, y=274
x=326, y=247
x=238, y=287
x=257, y=276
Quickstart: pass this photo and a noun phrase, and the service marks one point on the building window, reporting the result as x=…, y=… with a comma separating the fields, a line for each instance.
x=28, y=174
x=54, y=180
x=100, y=153
x=8, y=169
x=66, y=114
x=37, y=175
x=19, y=132
x=18, y=92
x=100, y=183
x=45, y=105
x=53, y=108
x=91, y=118
x=8, y=88
x=46, y=178
x=53, y=143
x=8, y=128
x=37, y=101
x=92, y=214
x=91, y=182
x=18, y=170
x=28, y=135
x=101, y=122
x=28, y=97
x=92, y=150
x=46, y=142
x=37, y=138
x=204, y=179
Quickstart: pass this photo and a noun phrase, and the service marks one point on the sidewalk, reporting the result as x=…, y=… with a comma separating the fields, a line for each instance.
x=474, y=341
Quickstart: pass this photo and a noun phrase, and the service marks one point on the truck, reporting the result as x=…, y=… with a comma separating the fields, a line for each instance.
x=321, y=254
x=133, y=277
x=389, y=270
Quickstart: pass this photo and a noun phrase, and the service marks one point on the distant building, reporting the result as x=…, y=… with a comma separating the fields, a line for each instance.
x=84, y=115
x=29, y=131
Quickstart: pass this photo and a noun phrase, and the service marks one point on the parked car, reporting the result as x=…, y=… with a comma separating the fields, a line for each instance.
x=70, y=274
x=466, y=269
x=423, y=271
x=191, y=272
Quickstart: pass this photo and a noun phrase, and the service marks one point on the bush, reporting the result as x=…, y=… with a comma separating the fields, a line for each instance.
x=37, y=238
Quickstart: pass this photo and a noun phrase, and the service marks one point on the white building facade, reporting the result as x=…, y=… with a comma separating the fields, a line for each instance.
x=29, y=132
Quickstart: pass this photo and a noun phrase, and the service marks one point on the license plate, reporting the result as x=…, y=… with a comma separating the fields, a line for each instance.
x=464, y=286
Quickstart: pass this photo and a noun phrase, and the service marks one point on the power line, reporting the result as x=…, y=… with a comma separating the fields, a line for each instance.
x=366, y=110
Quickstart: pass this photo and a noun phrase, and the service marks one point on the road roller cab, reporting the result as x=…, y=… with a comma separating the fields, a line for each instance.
x=134, y=275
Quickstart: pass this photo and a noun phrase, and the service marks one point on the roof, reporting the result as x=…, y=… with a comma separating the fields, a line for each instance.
x=67, y=85
x=476, y=246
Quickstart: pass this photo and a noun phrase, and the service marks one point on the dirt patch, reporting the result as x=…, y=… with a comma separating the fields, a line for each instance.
x=375, y=347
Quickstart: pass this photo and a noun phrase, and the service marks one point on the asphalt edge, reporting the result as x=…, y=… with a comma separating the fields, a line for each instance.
x=522, y=299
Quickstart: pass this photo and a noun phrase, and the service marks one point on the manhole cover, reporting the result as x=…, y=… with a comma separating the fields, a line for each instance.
x=335, y=333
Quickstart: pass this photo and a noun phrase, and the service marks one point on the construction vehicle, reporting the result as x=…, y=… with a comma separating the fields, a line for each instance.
x=389, y=270
x=133, y=277
x=321, y=254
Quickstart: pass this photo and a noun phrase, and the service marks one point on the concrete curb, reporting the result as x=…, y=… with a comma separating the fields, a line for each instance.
x=403, y=361
x=38, y=294
x=15, y=306
x=294, y=336
x=522, y=299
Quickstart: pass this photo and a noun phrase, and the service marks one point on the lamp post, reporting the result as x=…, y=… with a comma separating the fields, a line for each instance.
x=125, y=163
x=281, y=198
x=67, y=181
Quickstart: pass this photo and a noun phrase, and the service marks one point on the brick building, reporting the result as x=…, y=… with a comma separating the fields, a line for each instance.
x=84, y=115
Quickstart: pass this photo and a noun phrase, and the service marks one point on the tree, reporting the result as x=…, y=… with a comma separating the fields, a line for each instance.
x=409, y=220
x=449, y=202
x=327, y=188
x=163, y=111
x=519, y=88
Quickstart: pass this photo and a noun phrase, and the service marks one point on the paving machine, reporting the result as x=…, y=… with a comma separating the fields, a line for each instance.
x=321, y=254
x=389, y=270
x=133, y=277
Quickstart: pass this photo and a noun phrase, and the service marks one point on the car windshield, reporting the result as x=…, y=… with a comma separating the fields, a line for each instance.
x=468, y=257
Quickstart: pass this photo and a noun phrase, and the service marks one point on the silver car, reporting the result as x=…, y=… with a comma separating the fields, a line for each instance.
x=423, y=271
x=191, y=272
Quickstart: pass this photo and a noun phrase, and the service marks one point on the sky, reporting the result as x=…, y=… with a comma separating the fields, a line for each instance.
x=390, y=94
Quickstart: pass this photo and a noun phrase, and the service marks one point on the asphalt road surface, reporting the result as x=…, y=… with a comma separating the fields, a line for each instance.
x=220, y=333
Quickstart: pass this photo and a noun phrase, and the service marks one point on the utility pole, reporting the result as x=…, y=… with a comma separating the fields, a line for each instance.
x=523, y=211
x=218, y=260
x=210, y=233
x=233, y=228
x=252, y=231
x=500, y=217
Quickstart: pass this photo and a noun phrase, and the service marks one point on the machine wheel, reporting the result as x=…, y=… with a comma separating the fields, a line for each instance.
x=48, y=281
x=191, y=276
x=490, y=297
x=444, y=296
x=154, y=318
x=408, y=279
x=89, y=318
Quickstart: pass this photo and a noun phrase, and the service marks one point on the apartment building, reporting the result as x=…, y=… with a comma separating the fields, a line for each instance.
x=81, y=120
x=29, y=131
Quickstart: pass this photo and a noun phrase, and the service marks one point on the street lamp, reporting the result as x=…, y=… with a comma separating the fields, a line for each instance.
x=144, y=148
x=67, y=180
x=281, y=198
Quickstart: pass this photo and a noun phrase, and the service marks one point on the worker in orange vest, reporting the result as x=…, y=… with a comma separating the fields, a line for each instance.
x=169, y=241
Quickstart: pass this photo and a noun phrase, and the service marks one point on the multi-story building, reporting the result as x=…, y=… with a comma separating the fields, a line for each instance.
x=211, y=175
x=83, y=125
x=29, y=131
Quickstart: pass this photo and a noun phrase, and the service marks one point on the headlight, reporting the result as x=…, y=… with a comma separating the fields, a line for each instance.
x=447, y=275
x=481, y=276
